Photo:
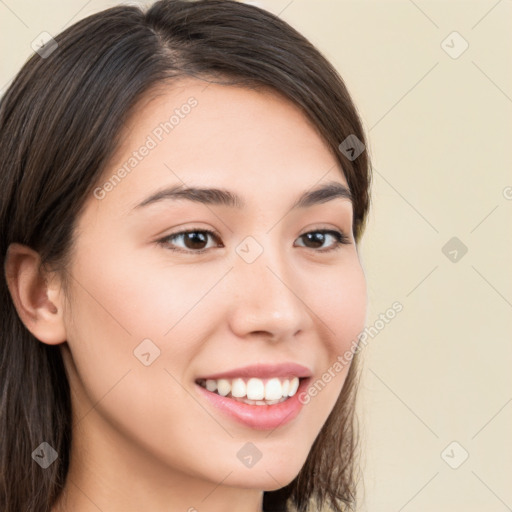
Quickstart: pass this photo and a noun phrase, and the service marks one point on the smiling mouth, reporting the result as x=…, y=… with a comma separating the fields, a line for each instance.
x=253, y=391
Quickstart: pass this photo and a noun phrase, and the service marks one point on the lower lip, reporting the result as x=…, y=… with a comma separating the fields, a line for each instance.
x=258, y=417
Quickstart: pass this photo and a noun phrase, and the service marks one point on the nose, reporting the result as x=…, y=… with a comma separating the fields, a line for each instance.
x=266, y=299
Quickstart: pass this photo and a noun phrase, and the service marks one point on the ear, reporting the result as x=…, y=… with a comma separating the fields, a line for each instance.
x=37, y=295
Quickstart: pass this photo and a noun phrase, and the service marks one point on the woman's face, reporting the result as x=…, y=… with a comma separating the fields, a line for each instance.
x=154, y=313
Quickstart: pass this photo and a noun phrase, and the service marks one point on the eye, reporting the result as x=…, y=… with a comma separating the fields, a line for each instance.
x=194, y=240
x=317, y=238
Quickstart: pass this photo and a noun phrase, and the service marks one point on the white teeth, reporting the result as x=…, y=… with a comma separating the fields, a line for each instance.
x=223, y=387
x=255, y=391
x=211, y=385
x=238, y=388
x=273, y=390
x=285, y=387
x=294, y=385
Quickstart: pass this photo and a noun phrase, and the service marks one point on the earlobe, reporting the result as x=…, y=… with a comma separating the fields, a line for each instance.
x=36, y=295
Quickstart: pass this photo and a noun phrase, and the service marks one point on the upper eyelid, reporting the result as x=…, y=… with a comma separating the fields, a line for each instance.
x=345, y=238
x=216, y=234
x=189, y=230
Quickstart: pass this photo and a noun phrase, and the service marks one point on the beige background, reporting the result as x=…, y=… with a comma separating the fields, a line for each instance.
x=440, y=134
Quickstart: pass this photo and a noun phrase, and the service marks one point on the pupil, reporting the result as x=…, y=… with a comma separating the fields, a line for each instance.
x=316, y=238
x=195, y=238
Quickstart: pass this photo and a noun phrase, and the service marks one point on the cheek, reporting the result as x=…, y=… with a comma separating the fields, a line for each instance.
x=115, y=309
x=143, y=321
x=129, y=298
x=340, y=304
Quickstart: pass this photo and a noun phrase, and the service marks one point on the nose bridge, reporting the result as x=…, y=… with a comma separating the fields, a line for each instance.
x=265, y=296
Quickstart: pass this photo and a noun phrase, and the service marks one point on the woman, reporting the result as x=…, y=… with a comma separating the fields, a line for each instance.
x=183, y=192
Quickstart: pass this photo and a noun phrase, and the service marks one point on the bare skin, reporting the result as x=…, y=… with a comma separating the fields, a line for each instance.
x=143, y=437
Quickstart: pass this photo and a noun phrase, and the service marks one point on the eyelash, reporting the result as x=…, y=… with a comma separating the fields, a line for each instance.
x=340, y=236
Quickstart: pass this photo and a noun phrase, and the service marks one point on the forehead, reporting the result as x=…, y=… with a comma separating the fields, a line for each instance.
x=201, y=133
x=259, y=117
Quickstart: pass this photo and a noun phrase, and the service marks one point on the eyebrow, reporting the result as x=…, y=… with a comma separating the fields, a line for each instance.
x=220, y=196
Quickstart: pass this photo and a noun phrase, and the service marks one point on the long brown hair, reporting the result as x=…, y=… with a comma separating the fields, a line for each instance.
x=60, y=121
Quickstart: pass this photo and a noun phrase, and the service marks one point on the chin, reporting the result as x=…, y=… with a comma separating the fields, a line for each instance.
x=268, y=474
x=264, y=479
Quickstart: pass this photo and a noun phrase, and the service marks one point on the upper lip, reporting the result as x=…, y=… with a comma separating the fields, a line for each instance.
x=263, y=371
